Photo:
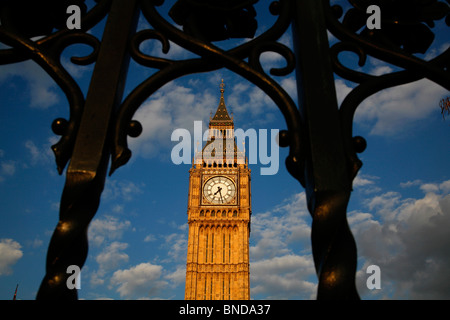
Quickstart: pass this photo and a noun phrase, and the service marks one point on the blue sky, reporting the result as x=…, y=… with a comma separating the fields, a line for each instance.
x=399, y=211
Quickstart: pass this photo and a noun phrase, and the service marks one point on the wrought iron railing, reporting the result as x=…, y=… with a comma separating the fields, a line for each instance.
x=322, y=149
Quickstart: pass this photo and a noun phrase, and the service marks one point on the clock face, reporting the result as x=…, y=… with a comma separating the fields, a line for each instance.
x=219, y=190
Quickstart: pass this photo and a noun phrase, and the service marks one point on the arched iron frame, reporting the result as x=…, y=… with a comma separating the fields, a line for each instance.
x=322, y=149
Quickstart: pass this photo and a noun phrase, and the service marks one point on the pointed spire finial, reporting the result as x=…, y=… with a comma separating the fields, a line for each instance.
x=222, y=87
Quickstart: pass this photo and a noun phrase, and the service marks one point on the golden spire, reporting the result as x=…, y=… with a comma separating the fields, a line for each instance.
x=221, y=114
x=222, y=87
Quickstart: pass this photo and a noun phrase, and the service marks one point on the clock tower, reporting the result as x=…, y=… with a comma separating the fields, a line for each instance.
x=219, y=211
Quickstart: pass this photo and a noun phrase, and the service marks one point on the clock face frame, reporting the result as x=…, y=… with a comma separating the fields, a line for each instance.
x=219, y=190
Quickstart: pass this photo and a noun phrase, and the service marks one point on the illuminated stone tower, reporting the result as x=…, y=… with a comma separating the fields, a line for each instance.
x=219, y=211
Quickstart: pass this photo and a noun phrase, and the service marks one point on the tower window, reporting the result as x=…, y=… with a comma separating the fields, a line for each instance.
x=229, y=248
x=212, y=248
x=207, y=249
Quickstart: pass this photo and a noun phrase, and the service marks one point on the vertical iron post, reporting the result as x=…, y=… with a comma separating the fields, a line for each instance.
x=327, y=179
x=86, y=172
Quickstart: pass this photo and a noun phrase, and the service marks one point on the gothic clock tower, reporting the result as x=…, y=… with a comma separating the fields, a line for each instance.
x=219, y=211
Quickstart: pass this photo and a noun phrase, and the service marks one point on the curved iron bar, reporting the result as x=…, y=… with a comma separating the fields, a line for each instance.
x=46, y=52
x=285, y=52
x=89, y=20
x=49, y=62
x=343, y=71
x=332, y=237
x=212, y=58
x=393, y=56
x=415, y=69
x=86, y=172
x=146, y=60
x=369, y=86
x=328, y=183
x=333, y=246
x=69, y=243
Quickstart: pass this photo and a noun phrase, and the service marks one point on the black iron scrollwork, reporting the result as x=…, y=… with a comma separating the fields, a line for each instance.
x=404, y=24
x=212, y=58
x=80, y=198
x=19, y=25
x=405, y=31
x=36, y=18
x=216, y=20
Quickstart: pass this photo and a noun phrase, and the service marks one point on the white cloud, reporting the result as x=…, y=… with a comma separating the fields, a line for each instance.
x=104, y=233
x=141, y=281
x=284, y=277
x=275, y=230
x=177, y=106
x=121, y=190
x=445, y=186
x=42, y=88
x=276, y=271
x=8, y=167
x=408, y=239
x=177, y=242
x=434, y=52
x=380, y=70
x=43, y=154
x=178, y=276
x=172, y=107
x=429, y=187
x=112, y=256
x=342, y=89
x=10, y=253
x=150, y=238
x=37, y=243
x=395, y=110
x=361, y=181
x=107, y=228
x=250, y=102
x=412, y=183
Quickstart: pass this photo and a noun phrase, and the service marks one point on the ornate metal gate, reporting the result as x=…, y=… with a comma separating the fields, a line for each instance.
x=322, y=149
